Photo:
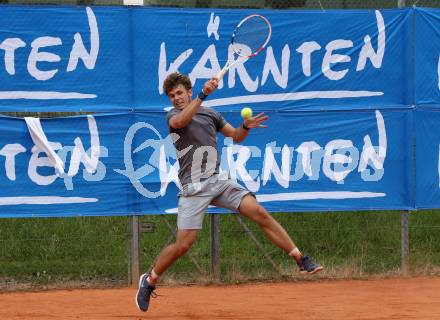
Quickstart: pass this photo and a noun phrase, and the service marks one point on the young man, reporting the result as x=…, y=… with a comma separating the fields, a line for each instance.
x=194, y=130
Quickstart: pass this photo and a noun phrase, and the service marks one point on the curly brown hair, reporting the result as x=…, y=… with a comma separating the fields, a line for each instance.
x=174, y=79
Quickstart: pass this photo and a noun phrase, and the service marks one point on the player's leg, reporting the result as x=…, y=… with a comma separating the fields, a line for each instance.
x=184, y=241
x=189, y=222
x=236, y=198
x=249, y=207
x=147, y=282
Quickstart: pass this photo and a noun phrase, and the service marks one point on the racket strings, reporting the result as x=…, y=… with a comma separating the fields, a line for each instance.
x=251, y=36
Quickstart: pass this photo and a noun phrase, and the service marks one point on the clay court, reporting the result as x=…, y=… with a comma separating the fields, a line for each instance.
x=397, y=298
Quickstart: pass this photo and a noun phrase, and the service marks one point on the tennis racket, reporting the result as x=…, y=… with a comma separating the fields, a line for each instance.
x=249, y=38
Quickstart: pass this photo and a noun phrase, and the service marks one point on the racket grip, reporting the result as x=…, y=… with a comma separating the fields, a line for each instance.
x=222, y=73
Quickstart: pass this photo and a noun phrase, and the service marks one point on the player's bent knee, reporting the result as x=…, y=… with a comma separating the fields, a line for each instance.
x=248, y=204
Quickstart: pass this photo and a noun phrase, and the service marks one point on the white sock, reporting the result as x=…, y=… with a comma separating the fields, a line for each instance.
x=153, y=277
x=296, y=254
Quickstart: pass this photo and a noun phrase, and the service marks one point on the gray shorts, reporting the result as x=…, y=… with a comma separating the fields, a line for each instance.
x=195, y=198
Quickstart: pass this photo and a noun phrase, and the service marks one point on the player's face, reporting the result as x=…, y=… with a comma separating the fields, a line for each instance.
x=180, y=97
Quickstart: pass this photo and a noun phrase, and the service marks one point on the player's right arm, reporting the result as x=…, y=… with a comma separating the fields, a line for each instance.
x=182, y=119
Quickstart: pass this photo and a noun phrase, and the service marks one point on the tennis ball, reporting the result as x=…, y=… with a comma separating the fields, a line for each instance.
x=246, y=113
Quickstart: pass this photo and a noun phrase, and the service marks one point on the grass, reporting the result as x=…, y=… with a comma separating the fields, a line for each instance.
x=94, y=250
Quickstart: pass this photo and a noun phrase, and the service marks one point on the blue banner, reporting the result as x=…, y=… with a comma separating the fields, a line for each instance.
x=428, y=158
x=65, y=59
x=427, y=88
x=315, y=59
x=427, y=57
x=122, y=164
x=347, y=91
x=319, y=162
x=89, y=147
x=115, y=59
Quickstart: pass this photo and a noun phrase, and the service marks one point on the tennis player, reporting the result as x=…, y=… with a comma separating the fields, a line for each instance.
x=194, y=129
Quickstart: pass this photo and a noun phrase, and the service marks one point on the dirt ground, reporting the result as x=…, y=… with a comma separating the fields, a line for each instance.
x=397, y=298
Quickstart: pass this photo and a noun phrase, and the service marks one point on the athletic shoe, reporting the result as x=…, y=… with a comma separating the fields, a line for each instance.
x=307, y=266
x=144, y=293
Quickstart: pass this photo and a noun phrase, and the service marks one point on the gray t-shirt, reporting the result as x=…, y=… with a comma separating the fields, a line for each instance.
x=196, y=145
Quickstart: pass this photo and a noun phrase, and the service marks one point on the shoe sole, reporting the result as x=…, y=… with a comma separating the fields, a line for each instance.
x=316, y=270
x=139, y=288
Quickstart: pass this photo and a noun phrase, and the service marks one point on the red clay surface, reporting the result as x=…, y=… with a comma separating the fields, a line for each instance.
x=402, y=298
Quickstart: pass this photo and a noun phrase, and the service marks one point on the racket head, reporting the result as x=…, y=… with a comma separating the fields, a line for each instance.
x=251, y=35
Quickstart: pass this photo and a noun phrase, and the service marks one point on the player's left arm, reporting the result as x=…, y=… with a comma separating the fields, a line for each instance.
x=240, y=133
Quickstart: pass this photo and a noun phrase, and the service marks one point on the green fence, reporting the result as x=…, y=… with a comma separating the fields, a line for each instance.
x=95, y=251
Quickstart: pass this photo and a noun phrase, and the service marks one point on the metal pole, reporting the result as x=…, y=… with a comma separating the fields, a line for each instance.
x=133, y=266
x=405, y=241
x=215, y=246
x=404, y=231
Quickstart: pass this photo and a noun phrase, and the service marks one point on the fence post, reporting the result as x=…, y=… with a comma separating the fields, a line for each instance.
x=405, y=241
x=215, y=246
x=133, y=262
x=404, y=232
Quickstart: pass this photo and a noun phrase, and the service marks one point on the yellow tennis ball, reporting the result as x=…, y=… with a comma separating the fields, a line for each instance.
x=246, y=113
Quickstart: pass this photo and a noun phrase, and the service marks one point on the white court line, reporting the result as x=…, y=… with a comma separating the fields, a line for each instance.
x=7, y=201
x=44, y=95
x=295, y=196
